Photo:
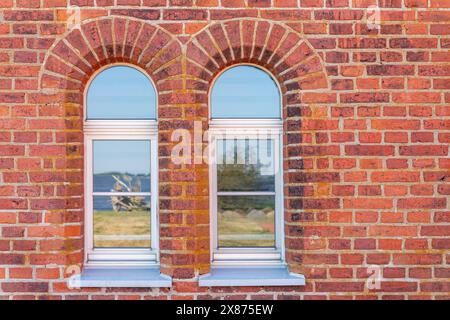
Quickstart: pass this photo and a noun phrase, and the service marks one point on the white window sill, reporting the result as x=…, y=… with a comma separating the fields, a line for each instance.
x=251, y=276
x=120, y=277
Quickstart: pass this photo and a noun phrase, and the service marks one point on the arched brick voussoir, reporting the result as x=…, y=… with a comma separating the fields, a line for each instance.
x=64, y=69
x=220, y=41
x=261, y=34
x=119, y=27
x=105, y=27
x=77, y=41
x=173, y=69
x=297, y=54
x=66, y=53
x=102, y=41
x=49, y=81
x=200, y=57
x=131, y=38
x=197, y=71
x=208, y=45
x=311, y=65
x=145, y=35
x=247, y=36
x=157, y=43
x=233, y=32
x=273, y=45
x=92, y=35
x=167, y=54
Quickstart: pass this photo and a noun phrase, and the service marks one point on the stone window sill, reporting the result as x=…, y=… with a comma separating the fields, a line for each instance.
x=251, y=276
x=120, y=277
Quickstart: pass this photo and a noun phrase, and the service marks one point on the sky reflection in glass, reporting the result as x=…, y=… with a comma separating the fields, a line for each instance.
x=122, y=156
x=121, y=92
x=245, y=92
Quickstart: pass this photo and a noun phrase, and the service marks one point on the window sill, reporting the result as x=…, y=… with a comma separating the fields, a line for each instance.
x=251, y=276
x=120, y=277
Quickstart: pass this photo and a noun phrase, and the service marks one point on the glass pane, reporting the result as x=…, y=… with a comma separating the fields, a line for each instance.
x=246, y=221
x=122, y=222
x=245, y=92
x=121, y=92
x=121, y=165
x=245, y=165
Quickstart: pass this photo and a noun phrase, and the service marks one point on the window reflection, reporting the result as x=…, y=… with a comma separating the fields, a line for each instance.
x=246, y=221
x=121, y=92
x=121, y=166
x=245, y=92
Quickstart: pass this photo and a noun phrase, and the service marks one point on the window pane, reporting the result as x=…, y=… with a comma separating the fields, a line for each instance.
x=121, y=92
x=246, y=221
x=245, y=165
x=245, y=92
x=121, y=165
x=122, y=222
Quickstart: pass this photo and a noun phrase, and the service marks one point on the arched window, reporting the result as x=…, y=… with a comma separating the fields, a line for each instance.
x=121, y=168
x=246, y=168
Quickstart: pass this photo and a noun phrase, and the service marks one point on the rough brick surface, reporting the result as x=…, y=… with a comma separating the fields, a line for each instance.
x=366, y=119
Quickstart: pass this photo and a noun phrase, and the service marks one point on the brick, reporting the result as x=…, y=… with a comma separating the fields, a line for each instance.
x=436, y=230
x=185, y=14
x=392, y=70
x=24, y=286
x=423, y=150
x=398, y=286
x=367, y=203
x=416, y=97
x=364, y=97
x=416, y=259
x=369, y=150
x=147, y=14
x=28, y=15
x=12, y=259
x=428, y=203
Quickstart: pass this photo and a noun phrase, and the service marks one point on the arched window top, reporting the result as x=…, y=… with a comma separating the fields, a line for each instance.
x=121, y=92
x=245, y=92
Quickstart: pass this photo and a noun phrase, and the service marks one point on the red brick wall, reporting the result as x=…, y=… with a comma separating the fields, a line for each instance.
x=366, y=116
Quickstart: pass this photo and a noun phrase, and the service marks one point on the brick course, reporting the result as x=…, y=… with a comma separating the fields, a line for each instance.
x=366, y=120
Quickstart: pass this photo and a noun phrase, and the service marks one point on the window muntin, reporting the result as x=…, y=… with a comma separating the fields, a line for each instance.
x=245, y=92
x=121, y=92
x=121, y=177
x=246, y=201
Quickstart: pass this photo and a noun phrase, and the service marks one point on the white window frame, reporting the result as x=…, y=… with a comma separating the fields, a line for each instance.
x=247, y=129
x=97, y=130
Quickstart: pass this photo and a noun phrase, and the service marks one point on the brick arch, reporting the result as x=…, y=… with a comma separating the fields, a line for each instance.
x=274, y=46
x=72, y=60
